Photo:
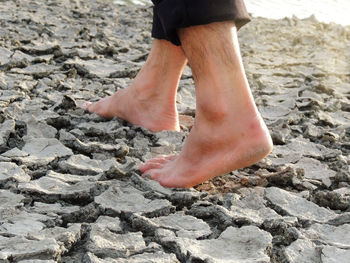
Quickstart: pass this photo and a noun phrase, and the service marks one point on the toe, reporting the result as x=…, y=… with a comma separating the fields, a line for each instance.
x=156, y=163
x=162, y=158
x=86, y=105
x=151, y=174
x=150, y=165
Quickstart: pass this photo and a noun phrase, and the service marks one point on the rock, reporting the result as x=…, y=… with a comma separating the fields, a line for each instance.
x=104, y=128
x=337, y=236
x=315, y=170
x=108, y=223
x=6, y=128
x=66, y=237
x=184, y=225
x=302, y=251
x=109, y=244
x=67, y=187
x=185, y=198
x=9, y=203
x=337, y=199
x=246, y=244
x=43, y=151
x=37, y=70
x=334, y=255
x=222, y=216
x=253, y=209
x=19, y=248
x=147, y=185
x=304, y=147
x=66, y=103
x=23, y=224
x=167, y=138
x=53, y=209
x=81, y=164
x=340, y=219
x=15, y=153
x=37, y=129
x=36, y=261
x=186, y=97
x=101, y=68
x=40, y=48
x=119, y=151
x=127, y=199
x=297, y=206
x=157, y=257
x=5, y=55
x=11, y=171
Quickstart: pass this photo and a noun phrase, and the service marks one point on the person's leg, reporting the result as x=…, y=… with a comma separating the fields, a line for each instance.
x=150, y=100
x=229, y=132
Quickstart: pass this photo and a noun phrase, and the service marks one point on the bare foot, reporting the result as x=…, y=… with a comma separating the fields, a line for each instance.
x=212, y=150
x=152, y=113
x=150, y=101
x=229, y=132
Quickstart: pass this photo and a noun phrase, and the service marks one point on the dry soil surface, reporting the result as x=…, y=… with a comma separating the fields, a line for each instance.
x=69, y=185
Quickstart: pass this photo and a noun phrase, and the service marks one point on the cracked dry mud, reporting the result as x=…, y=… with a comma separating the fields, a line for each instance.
x=69, y=186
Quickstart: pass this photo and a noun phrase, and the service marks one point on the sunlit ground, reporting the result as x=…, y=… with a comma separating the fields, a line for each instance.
x=336, y=11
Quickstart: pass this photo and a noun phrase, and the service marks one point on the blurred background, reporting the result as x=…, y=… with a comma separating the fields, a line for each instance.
x=336, y=11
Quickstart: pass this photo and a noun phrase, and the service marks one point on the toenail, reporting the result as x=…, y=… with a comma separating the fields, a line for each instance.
x=85, y=105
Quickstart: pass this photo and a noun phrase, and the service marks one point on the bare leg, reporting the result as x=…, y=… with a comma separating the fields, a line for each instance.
x=229, y=132
x=150, y=101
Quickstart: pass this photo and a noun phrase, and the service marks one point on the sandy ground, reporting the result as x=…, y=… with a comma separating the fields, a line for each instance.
x=69, y=185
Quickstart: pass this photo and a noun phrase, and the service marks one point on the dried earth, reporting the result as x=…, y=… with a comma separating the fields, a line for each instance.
x=70, y=190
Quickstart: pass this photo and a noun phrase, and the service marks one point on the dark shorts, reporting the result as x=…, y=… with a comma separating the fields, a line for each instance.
x=169, y=15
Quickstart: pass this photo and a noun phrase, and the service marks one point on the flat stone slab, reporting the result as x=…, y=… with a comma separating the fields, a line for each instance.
x=20, y=226
x=101, y=68
x=37, y=70
x=108, y=244
x=18, y=248
x=61, y=186
x=36, y=261
x=9, y=203
x=157, y=257
x=302, y=251
x=130, y=200
x=252, y=208
x=93, y=147
x=53, y=209
x=99, y=128
x=5, y=55
x=236, y=245
x=314, y=169
x=334, y=255
x=81, y=164
x=65, y=237
x=304, y=147
x=297, y=206
x=39, y=129
x=11, y=171
x=337, y=236
x=6, y=128
x=183, y=225
x=44, y=150
x=105, y=222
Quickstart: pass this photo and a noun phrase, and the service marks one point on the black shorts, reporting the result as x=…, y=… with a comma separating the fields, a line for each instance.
x=169, y=15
